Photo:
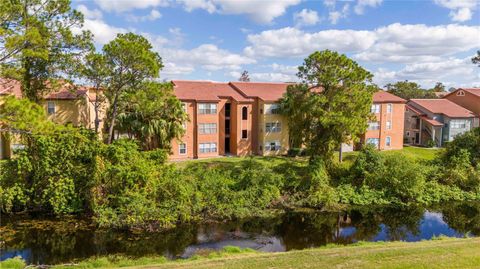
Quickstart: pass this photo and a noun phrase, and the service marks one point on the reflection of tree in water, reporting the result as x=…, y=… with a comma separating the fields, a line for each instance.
x=463, y=217
x=401, y=221
x=303, y=230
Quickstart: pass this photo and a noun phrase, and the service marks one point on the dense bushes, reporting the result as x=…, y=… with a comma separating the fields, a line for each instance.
x=70, y=171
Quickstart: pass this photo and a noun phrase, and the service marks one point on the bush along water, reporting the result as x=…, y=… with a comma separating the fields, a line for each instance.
x=119, y=185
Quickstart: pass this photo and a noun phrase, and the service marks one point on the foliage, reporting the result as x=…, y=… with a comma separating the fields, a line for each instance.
x=13, y=263
x=411, y=90
x=39, y=45
x=244, y=77
x=331, y=106
x=476, y=58
x=23, y=116
x=95, y=71
x=130, y=60
x=53, y=173
x=154, y=116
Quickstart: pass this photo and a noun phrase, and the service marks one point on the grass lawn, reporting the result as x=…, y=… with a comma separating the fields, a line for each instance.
x=434, y=254
x=348, y=157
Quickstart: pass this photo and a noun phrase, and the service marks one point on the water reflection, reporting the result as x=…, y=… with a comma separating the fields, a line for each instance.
x=53, y=241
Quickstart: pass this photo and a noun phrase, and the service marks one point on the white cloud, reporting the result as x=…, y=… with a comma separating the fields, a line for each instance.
x=259, y=11
x=129, y=5
x=460, y=10
x=306, y=17
x=418, y=42
x=273, y=76
x=450, y=71
x=191, y=5
x=462, y=14
x=335, y=15
x=362, y=4
x=89, y=13
x=152, y=16
x=102, y=32
x=392, y=43
x=173, y=70
x=292, y=42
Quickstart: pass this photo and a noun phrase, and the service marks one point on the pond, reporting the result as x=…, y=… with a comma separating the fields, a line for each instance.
x=46, y=241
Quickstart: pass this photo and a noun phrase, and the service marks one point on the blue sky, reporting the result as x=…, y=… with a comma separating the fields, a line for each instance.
x=422, y=41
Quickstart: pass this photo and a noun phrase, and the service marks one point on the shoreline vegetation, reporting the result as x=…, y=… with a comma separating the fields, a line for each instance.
x=441, y=252
x=122, y=187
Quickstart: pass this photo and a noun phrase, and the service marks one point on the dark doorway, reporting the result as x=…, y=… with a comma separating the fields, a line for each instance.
x=417, y=138
x=227, y=145
x=227, y=127
x=227, y=110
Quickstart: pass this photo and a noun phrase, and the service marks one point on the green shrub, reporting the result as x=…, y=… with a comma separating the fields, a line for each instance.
x=13, y=263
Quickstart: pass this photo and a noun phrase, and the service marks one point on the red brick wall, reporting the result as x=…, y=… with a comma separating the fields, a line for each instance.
x=395, y=133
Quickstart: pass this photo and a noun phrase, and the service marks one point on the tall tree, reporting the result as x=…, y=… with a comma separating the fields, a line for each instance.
x=38, y=43
x=244, y=77
x=96, y=72
x=132, y=61
x=476, y=58
x=409, y=90
x=154, y=116
x=331, y=106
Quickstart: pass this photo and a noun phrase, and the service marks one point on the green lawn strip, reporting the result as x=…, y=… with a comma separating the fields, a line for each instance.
x=348, y=157
x=448, y=253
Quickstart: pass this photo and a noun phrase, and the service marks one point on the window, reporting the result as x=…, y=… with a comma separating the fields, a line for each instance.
x=408, y=133
x=388, y=141
x=244, y=113
x=374, y=125
x=227, y=109
x=207, y=108
x=272, y=146
x=389, y=108
x=184, y=107
x=460, y=93
x=389, y=125
x=458, y=124
x=373, y=141
x=184, y=125
x=208, y=147
x=244, y=134
x=273, y=127
x=272, y=109
x=50, y=107
x=207, y=128
x=375, y=108
x=182, y=149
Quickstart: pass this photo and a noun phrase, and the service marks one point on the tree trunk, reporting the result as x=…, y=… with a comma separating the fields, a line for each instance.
x=96, y=106
x=112, y=122
x=340, y=154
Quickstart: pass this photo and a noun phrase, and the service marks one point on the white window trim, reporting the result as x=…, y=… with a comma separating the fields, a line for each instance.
x=54, y=107
x=179, y=149
x=201, y=128
x=375, y=108
x=389, y=126
x=389, y=108
x=388, y=138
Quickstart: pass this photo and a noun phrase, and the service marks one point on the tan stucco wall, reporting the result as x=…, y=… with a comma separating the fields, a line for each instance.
x=265, y=137
x=468, y=101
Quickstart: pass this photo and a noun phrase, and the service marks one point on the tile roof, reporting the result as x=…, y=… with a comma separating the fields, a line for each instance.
x=206, y=91
x=267, y=91
x=10, y=86
x=474, y=91
x=414, y=110
x=386, y=97
x=443, y=106
x=431, y=121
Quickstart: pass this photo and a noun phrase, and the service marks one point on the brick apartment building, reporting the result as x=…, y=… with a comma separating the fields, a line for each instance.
x=242, y=118
x=386, y=132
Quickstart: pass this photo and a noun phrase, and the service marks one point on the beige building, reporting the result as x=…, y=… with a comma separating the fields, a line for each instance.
x=68, y=105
